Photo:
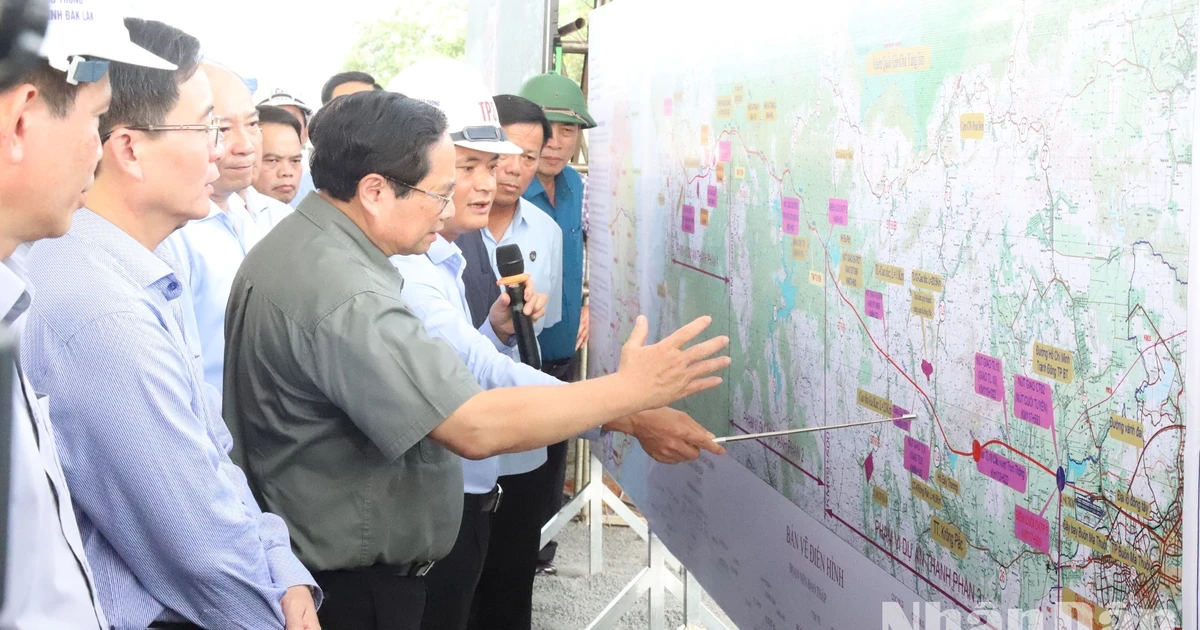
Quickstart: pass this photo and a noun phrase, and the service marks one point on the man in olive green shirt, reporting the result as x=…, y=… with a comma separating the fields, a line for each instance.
x=346, y=416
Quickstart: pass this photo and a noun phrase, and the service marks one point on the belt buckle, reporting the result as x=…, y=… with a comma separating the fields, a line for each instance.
x=422, y=568
x=499, y=498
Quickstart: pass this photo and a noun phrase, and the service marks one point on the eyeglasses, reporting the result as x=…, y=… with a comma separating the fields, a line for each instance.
x=215, y=136
x=445, y=200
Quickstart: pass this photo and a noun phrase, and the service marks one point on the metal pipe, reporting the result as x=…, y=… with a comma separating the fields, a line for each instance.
x=548, y=35
x=571, y=27
x=574, y=48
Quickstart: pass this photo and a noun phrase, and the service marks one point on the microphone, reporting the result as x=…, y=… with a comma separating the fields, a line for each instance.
x=511, y=265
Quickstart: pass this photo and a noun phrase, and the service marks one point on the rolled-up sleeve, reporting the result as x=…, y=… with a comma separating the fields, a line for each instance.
x=394, y=381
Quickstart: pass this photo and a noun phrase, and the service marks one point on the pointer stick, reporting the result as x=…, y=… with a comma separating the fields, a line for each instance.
x=755, y=436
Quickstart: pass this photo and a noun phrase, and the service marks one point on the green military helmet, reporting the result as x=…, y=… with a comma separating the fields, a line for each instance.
x=560, y=98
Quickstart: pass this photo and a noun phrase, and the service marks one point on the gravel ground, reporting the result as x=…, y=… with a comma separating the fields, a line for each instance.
x=572, y=599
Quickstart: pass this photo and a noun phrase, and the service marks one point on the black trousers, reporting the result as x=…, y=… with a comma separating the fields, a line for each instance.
x=556, y=455
x=451, y=583
x=370, y=599
x=504, y=596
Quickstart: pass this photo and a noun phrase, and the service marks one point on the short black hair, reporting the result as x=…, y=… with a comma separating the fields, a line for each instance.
x=51, y=85
x=342, y=78
x=269, y=114
x=144, y=96
x=514, y=110
x=373, y=132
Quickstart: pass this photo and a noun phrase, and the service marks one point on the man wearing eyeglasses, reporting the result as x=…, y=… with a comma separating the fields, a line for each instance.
x=175, y=536
x=210, y=249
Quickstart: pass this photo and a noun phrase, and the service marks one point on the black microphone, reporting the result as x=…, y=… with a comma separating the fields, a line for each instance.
x=511, y=265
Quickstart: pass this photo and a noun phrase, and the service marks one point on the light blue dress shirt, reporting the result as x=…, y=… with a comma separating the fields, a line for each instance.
x=209, y=252
x=168, y=522
x=433, y=289
x=306, y=186
x=540, y=240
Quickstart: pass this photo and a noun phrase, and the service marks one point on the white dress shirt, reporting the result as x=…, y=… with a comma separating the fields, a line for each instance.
x=433, y=289
x=48, y=582
x=540, y=240
x=209, y=252
x=265, y=211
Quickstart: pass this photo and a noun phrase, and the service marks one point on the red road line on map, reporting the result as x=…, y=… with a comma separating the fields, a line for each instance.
x=707, y=273
x=897, y=560
x=781, y=455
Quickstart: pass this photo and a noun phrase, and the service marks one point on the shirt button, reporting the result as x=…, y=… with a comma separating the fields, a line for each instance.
x=174, y=286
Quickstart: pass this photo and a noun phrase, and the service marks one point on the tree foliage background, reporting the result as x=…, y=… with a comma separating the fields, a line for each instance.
x=418, y=29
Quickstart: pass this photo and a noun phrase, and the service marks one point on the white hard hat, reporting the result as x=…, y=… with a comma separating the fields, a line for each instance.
x=280, y=97
x=94, y=29
x=458, y=90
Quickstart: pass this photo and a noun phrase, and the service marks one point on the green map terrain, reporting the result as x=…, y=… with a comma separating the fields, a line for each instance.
x=977, y=212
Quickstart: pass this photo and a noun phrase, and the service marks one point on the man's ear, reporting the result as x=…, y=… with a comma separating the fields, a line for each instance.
x=124, y=151
x=372, y=190
x=15, y=105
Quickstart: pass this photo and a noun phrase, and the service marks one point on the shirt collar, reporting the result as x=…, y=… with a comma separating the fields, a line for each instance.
x=256, y=202
x=535, y=188
x=327, y=217
x=442, y=250
x=14, y=292
x=145, y=268
x=570, y=177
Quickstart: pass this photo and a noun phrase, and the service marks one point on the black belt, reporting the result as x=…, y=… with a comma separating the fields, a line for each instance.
x=489, y=502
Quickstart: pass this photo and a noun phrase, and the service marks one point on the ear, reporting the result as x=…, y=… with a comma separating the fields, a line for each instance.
x=372, y=191
x=125, y=152
x=15, y=106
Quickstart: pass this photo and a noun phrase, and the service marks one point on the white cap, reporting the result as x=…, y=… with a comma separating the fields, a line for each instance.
x=458, y=90
x=280, y=97
x=93, y=28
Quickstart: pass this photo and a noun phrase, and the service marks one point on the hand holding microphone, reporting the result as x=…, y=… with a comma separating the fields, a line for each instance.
x=518, y=288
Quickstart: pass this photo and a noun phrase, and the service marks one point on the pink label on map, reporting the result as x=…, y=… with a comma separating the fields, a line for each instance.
x=874, y=304
x=1002, y=469
x=791, y=215
x=724, y=151
x=916, y=457
x=839, y=212
x=1032, y=529
x=897, y=411
x=668, y=104
x=989, y=377
x=689, y=219
x=1031, y=401
x=712, y=196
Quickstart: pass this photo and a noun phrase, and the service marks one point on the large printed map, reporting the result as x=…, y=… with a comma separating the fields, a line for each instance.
x=976, y=212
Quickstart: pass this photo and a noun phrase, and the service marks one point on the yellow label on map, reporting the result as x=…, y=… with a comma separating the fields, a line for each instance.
x=925, y=492
x=850, y=273
x=1068, y=501
x=844, y=154
x=947, y=482
x=888, y=273
x=948, y=536
x=740, y=172
x=752, y=111
x=1131, y=557
x=799, y=248
x=662, y=290
x=844, y=239
x=1130, y=503
x=769, y=111
x=878, y=404
x=1125, y=430
x=739, y=92
x=816, y=278
x=720, y=172
x=922, y=304
x=1054, y=363
x=970, y=126
x=1084, y=611
x=879, y=495
x=891, y=60
x=724, y=107
x=704, y=216
x=677, y=96
x=1085, y=535
x=691, y=162
x=704, y=134
x=927, y=281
